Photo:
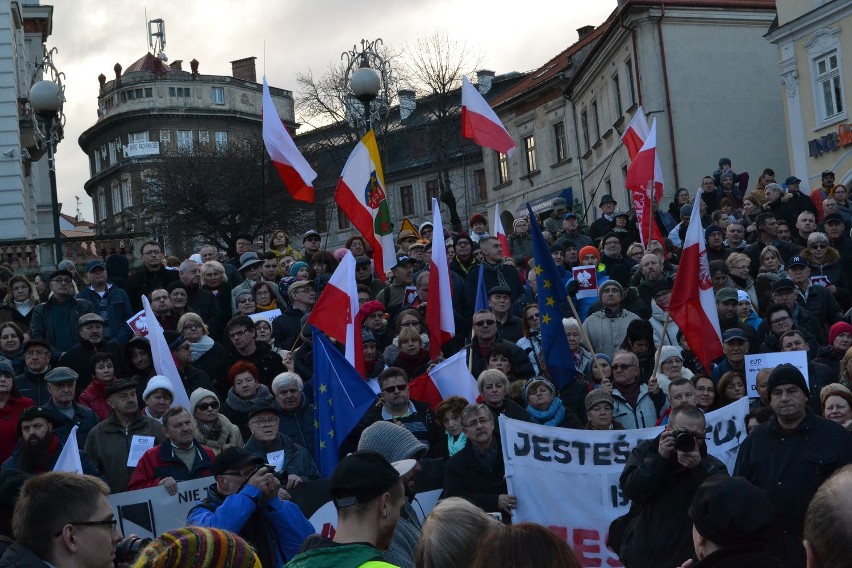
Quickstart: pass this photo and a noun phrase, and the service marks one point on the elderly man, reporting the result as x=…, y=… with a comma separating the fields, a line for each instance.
x=151, y=276
x=250, y=266
x=31, y=383
x=287, y=326
x=828, y=534
x=91, y=341
x=554, y=222
x=485, y=338
x=296, y=413
x=266, y=442
x=244, y=499
x=108, y=301
x=662, y=476
x=509, y=327
x=636, y=405
x=61, y=383
x=735, y=346
x=571, y=232
x=790, y=456
x=608, y=327
x=818, y=300
x=495, y=273
x=241, y=332
x=784, y=292
x=108, y=444
x=651, y=271
x=368, y=494
x=210, y=252
x=56, y=319
x=604, y=224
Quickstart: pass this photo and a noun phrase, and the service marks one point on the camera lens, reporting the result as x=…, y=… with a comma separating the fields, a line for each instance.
x=684, y=442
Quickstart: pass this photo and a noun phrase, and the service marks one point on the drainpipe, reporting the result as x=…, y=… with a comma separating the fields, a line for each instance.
x=668, y=97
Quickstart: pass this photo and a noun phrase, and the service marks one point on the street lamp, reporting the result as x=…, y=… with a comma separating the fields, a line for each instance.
x=46, y=100
x=368, y=74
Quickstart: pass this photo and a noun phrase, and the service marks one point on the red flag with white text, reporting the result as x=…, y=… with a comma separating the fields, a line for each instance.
x=645, y=186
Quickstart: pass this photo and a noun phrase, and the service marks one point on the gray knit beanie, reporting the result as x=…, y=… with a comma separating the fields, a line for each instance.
x=197, y=396
x=391, y=440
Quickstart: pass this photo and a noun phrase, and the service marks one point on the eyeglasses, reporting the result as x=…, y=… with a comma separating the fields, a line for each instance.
x=263, y=421
x=482, y=323
x=208, y=405
x=784, y=319
x=108, y=524
x=818, y=246
x=395, y=388
x=191, y=326
x=238, y=333
x=479, y=422
x=534, y=316
x=61, y=280
x=619, y=367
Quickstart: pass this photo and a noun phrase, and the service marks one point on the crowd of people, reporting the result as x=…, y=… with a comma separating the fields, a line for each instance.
x=780, y=260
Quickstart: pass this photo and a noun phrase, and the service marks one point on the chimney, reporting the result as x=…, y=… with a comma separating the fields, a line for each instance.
x=484, y=78
x=407, y=103
x=176, y=65
x=584, y=31
x=244, y=69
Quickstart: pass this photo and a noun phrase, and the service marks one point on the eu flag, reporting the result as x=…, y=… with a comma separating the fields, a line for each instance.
x=551, y=298
x=341, y=397
x=481, y=294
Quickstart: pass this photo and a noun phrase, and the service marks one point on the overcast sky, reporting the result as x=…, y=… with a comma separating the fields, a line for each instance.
x=300, y=35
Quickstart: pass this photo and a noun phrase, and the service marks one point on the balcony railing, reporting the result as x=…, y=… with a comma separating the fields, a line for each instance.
x=36, y=255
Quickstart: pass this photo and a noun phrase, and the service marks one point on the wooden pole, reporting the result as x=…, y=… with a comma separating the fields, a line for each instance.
x=662, y=340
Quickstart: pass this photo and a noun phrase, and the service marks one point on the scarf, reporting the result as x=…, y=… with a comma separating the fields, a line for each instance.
x=412, y=362
x=457, y=445
x=210, y=431
x=495, y=268
x=553, y=416
x=243, y=406
x=272, y=306
x=201, y=347
x=631, y=393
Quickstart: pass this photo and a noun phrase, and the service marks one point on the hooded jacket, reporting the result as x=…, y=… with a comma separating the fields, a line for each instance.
x=320, y=552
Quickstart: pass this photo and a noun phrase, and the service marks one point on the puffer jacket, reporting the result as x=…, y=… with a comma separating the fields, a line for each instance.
x=645, y=414
x=607, y=331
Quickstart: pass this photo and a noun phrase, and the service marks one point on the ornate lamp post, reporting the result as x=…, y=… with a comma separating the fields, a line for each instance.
x=47, y=98
x=368, y=75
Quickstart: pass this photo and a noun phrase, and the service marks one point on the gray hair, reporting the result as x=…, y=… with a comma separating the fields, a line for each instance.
x=570, y=323
x=631, y=354
x=285, y=380
x=817, y=238
x=186, y=265
x=472, y=410
x=214, y=266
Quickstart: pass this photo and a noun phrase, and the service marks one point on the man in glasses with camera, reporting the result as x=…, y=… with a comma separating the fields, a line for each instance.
x=244, y=499
x=660, y=479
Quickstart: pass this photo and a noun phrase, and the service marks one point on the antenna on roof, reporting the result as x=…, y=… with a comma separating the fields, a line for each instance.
x=79, y=213
x=157, y=38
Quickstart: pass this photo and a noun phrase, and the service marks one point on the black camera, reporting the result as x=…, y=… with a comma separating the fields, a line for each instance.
x=684, y=440
x=128, y=549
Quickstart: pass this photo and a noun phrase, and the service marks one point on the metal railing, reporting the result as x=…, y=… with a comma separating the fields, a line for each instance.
x=36, y=255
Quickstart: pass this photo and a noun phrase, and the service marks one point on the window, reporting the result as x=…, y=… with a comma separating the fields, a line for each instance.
x=584, y=126
x=829, y=85
x=218, y=95
x=481, y=185
x=149, y=92
x=561, y=145
x=179, y=92
x=597, y=122
x=116, y=197
x=126, y=193
x=529, y=151
x=631, y=90
x=502, y=168
x=342, y=220
x=203, y=137
x=419, y=144
x=165, y=136
x=101, y=204
x=184, y=140
x=406, y=194
x=221, y=141
x=112, y=152
x=98, y=166
x=431, y=191
x=138, y=137
x=616, y=95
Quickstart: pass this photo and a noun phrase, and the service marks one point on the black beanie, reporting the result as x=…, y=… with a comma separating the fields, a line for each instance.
x=731, y=512
x=786, y=374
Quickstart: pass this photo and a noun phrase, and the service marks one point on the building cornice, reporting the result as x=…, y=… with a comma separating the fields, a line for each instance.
x=825, y=15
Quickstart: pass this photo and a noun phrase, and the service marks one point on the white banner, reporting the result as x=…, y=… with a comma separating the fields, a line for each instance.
x=759, y=361
x=151, y=512
x=268, y=315
x=586, y=466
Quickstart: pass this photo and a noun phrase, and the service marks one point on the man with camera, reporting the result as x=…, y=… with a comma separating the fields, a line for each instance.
x=244, y=499
x=661, y=478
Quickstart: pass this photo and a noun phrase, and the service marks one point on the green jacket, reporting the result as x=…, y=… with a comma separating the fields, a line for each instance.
x=340, y=556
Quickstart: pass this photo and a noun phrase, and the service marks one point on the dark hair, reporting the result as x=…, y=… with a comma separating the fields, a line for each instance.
x=719, y=266
x=326, y=258
x=245, y=237
x=263, y=284
x=724, y=381
x=151, y=242
x=525, y=322
x=14, y=327
x=776, y=308
x=173, y=411
x=243, y=367
x=450, y=406
x=391, y=373
x=687, y=411
x=638, y=330
x=761, y=414
x=269, y=255
x=763, y=218
x=363, y=288
x=525, y=545
x=768, y=172
x=679, y=382
x=101, y=356
x=501, y=350
x=410, y=312
x=240, y=321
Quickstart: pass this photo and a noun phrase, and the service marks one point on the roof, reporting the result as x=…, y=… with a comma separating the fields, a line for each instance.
x=552, y=67
x=150, y=63
x=746, y=4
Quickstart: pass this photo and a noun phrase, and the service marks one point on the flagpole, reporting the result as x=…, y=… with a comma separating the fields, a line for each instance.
x=470, y=355
x=585, y=335
x=662, y=340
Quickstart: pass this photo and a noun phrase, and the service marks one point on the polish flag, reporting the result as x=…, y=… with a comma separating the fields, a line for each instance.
x=644, y=180
x=335, y=311
x=636, y=133
x=499, y=232
x=164, y=362
x=480, y=123
x=693, y=304
x=439, y=302
x=448, y=378
x=294, y=170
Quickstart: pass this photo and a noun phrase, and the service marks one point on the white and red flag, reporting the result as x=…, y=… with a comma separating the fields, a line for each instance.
x=480, y=122
x=448, y=378
x=295, y=172
x=636, y=133
x=693, y=303
x=439, y=302
x=499, y=232
x=335, y=311
x=164, y=362
x=644, y=180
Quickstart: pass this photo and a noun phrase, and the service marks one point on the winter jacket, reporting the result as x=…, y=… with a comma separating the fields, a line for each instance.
x=658, y=321
x=275, y=528
x=160, y=462
x=268, y=363
x=521, y=247
x=108, y=446
x=55, y=450
x=822, y=306
x=143, y=282
x=297, y=460
x=9, y=313
x=299, y=425
x=521, y=366
x=645, y=414
x=754, y=556
x=32, y=385
x=214, y=362
x=94, y=397
x=607, y=331
x=420, y=421
x=320, y=552
x=114, y=307
x=84, y=418
x=19, y=556
x=790, y=466
x=466, y=477
x=78, y=357
x=661, y=534
x=230, y=436
x=492, y=275
x=193, y=378
x=9, y=414
x=57, y=322
x=287, y=327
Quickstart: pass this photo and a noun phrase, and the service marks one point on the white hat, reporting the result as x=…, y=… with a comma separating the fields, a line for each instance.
x=158, y=382
x=742, y=296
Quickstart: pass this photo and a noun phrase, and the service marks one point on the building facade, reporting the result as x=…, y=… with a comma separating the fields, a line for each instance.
x=813, y=42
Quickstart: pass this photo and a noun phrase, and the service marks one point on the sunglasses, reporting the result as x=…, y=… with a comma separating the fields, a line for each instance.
x=482, y=323
x=619, y=367
x=208, y=405
x=395, y=388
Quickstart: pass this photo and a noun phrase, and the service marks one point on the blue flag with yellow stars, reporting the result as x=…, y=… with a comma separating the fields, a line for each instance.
x=551, y=297
x=341, y=397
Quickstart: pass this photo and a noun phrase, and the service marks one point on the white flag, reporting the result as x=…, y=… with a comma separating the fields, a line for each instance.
x=164, y=364
x=69, y=457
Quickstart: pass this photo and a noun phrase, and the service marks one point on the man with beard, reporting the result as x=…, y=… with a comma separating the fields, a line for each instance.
x=396, y=443
x=368, y=494
x=38, y=447
x=91, y=341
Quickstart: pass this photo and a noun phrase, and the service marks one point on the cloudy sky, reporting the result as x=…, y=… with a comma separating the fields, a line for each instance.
x=299, y=35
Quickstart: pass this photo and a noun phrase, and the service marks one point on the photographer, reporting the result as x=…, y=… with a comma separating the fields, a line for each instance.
x=244, y=499
x=661, y=478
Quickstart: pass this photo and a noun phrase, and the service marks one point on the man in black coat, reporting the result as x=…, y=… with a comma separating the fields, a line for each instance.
x=92, y=341
x=287, y=327
x=495, y=273
x=603, y=225
x=485, y=338
x=241, y=332
x=151, y=276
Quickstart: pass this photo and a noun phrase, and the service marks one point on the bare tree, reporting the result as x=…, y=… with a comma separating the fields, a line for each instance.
x=435, y=66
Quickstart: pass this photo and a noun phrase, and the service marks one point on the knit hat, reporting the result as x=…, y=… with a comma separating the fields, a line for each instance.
x=726, y=175
x=712, y=229
x=669, y=351
x=724, y=162
x=425, y=224
x=596, y=396
x=742, y=296
x=158, y=382
x=604, y=356
x=197, y=396
x=531, y=382
x=686, y=210
x=518, y=220
x=609, y=283
x=786, y=374
x=371, y=307
x=296, y=266
x=6, y=368
x=837, y=329
x=731, y=512
x=391, y=440
x=198, y=546
x=588, y=249
x=340, y=253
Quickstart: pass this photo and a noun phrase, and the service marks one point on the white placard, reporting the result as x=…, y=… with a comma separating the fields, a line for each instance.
x=756, y=363
x=268, y=315
x=276, y=459
x=150, y=512
x=138, y=323
x=138, y=446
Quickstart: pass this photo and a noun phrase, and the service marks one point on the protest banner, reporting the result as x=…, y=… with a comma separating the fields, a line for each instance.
x=268, y=315
x=758, y=362
x=152, y=511
x=138, y=324
x=586, y=278
x=586, y=465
